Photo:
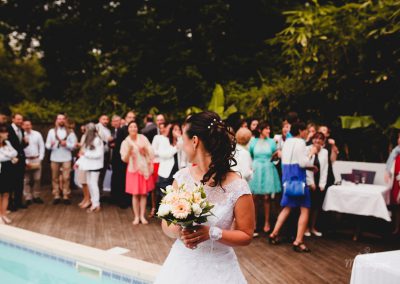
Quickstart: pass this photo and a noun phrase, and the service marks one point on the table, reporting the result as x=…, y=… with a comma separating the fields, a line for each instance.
x=376, y=268
x=358, y=199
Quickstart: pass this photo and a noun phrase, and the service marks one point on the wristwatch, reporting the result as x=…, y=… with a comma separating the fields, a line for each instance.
x=215, y=233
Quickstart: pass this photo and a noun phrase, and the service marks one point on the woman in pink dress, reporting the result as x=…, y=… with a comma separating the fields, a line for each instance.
x=137, y=152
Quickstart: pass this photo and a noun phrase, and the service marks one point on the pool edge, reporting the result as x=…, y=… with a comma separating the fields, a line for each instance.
x=125, y=265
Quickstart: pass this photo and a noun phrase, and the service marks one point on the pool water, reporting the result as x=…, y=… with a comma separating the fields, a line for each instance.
x=21, y=266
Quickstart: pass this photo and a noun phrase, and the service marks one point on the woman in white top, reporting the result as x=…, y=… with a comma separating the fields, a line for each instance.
x=317, y=181
x=91, y=160
x=295, y=162
x=156, y=144
x=8, y=157
x=242, y=154
x=81, y=177
x=170, y=155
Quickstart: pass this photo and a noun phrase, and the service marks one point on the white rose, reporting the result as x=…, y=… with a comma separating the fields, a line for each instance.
x=203, y=204
x=169, y=188
x=197, y=197
x=196, y=209
x=164, y=210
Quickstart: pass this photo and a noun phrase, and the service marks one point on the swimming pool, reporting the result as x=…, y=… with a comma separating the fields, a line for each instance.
x=18, y=265
x=27, y=257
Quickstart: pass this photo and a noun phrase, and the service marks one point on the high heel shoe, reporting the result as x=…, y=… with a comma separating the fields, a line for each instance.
x=301, y=248
x=136, y=222
x=273, y=240
x=144, y=221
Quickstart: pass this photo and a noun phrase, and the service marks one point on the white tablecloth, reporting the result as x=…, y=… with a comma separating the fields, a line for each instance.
x=360, y=199
x=376, y=268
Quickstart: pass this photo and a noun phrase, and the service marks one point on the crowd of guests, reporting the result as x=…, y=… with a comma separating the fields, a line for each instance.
x=139, y=160
x=142, y=160
x=302, y=152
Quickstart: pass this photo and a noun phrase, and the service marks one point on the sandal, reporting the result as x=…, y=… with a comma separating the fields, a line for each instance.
x=85, y=205
x=273, y=240
x=152, y=213
x=300, y=249
x=93, y=210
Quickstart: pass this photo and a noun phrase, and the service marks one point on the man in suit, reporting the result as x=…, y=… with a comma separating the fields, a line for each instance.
x=115, y=125
x=150, y=128
x=118, y=177
x=18, y=141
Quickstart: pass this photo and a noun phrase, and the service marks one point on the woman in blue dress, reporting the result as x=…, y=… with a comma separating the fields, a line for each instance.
x=265, y=181
x=295, y=162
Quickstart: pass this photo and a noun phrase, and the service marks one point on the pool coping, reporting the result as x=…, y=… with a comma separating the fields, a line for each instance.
x=110, y=263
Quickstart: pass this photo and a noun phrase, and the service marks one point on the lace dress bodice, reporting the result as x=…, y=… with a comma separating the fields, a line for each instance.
x=210, y=262
x=223, y=199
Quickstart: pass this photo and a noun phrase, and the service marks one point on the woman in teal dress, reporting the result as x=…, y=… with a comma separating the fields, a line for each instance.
x=265, y=179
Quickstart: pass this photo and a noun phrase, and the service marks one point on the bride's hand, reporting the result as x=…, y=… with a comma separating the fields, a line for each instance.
x=194, y=236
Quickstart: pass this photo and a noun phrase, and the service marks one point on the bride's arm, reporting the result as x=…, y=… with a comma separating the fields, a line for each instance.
x=241, y=235
x=244, y=225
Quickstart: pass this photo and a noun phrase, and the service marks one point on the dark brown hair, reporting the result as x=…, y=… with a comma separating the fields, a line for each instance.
x=218, y=140
x=319, y=135
x=171, y=130
x=297, y=127
x=260, y=127
x=3, y=129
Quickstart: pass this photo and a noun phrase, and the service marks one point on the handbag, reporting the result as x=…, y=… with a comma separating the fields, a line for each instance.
x=294, y=187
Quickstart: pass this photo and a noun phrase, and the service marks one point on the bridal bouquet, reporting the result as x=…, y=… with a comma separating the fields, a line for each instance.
x=182, y=207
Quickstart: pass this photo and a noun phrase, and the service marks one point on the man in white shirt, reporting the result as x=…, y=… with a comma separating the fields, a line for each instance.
x=103, y=131
x=61, y=142
x=105, y=135
x=34, y=153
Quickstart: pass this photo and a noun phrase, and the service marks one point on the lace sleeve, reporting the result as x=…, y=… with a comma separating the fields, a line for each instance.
x=241, y=188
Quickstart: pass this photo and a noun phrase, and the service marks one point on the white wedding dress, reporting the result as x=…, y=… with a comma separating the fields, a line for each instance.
x=210, y=262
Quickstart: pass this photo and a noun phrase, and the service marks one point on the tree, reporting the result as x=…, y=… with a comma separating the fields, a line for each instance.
x=345, y=58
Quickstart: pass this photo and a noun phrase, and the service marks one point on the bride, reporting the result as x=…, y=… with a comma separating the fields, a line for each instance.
x=204, y=254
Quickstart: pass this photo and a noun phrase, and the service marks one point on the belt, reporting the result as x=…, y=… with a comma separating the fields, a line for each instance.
x=32, y=158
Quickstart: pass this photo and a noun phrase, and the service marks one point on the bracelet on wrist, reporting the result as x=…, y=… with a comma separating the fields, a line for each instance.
x=215, y=233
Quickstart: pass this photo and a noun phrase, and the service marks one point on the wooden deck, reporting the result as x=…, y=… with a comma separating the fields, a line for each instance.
x=329, y=262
